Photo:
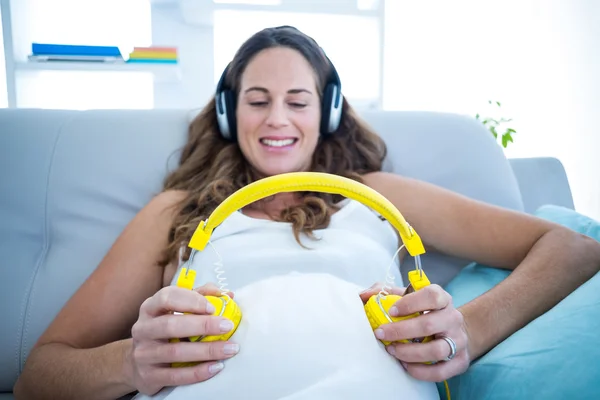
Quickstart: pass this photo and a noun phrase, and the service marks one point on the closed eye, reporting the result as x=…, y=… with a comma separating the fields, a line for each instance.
x=258, y=103
x=298, y=105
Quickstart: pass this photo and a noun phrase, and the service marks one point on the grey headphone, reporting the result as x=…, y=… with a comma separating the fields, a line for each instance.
x=331, y=107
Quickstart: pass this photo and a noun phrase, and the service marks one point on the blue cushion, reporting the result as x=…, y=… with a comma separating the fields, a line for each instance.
x=556, y=356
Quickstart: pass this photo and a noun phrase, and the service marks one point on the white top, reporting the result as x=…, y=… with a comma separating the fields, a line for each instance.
x=304, y=333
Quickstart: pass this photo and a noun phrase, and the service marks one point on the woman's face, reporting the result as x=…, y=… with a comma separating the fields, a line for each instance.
x=278, y=112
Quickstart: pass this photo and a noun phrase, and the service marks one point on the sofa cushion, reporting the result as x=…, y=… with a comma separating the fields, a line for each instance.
x=26, y=152
x=452, y=151
x=72, y=181
x=553, y=357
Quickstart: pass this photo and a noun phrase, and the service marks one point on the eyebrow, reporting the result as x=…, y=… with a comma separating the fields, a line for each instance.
x=264, y=90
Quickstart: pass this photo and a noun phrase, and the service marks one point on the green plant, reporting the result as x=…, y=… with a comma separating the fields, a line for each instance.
x=497, y=126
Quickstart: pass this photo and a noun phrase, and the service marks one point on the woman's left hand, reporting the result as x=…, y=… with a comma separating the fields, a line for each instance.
x=441, y=320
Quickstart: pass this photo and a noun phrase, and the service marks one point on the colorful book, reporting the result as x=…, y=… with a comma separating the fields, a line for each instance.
x=150, y=61
x=161, y=49
x=153, y=55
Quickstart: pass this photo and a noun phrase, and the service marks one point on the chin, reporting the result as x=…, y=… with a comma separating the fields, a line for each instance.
x=273, y=171
x=279, y=169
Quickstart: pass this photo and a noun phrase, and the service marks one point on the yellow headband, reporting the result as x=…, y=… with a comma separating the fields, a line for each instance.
x=310, y=182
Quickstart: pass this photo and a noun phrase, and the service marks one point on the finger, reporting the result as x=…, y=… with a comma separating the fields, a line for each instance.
x=176, y=299
x=366, y=294
x=210, y=289
x=440, y=371
x=424, y=325
x=181, y=326
x=187, y=375
x=433, y=351
x=165, y=353
x=431, y=297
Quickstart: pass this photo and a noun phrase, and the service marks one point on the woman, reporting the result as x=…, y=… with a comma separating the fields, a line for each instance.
x=303, y=333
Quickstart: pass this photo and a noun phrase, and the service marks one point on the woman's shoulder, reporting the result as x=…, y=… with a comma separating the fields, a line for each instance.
x=167, y=199
x=170, y=196
x=161, y=207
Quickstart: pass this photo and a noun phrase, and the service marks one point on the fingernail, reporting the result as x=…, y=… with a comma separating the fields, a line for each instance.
x=379, y=334
x=231, y=348
x=216, y=367
x=226, y=325
x=391, y=350
x=210, y=308
x=393, y=311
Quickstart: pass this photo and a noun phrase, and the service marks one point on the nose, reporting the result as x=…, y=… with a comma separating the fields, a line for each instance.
x=277, y=117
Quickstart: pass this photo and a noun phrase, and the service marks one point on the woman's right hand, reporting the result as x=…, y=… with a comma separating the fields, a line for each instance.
x=151, y=352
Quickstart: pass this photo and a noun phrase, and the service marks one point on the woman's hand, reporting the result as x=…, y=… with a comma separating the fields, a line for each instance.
x=152, y=353
x=441, y=319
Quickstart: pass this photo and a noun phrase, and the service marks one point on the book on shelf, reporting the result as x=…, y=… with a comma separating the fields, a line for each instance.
x=151, y=61
x=154, y=54
x=77, y=58
x=160, y=49
x=51, y=49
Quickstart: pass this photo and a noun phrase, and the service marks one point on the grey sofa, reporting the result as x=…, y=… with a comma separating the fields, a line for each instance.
x=71, y=180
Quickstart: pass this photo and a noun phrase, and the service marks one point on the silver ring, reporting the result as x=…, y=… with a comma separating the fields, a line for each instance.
x=452, y=345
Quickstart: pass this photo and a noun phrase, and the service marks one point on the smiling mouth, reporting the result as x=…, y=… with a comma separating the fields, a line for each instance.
x=278, y=143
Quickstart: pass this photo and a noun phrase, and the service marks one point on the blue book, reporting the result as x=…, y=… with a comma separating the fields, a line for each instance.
x=46, y=49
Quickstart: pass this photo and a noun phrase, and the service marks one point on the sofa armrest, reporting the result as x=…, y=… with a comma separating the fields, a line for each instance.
x=542, y=180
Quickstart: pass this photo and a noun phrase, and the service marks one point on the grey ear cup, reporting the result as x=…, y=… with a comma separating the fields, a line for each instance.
x=222, y=116
x=335, y=115
x=331, y=109
x=225, y=108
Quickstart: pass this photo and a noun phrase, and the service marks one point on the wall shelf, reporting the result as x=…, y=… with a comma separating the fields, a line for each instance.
x=167, y=73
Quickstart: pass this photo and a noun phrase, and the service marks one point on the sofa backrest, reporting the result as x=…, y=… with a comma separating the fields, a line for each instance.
x=71, y=180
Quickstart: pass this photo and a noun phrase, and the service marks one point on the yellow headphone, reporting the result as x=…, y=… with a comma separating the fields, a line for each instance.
x=376, y=307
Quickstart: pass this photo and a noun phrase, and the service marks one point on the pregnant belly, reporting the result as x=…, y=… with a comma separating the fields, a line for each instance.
x=305, y=336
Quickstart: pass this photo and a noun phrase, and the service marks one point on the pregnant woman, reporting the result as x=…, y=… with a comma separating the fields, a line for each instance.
x=300, y=265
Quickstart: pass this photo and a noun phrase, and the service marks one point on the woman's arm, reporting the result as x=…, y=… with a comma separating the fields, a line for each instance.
x=57, y=370
x=549, y=260
x=82, y=353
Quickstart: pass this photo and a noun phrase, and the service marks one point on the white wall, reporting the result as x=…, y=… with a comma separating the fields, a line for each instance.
x=540, y=58
x=195, y=49
x=558, y=101
x=194, y=25
x=3, y=85
x=576, y=139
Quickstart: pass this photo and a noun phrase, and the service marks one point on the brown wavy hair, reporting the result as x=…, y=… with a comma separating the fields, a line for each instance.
x=211, y=167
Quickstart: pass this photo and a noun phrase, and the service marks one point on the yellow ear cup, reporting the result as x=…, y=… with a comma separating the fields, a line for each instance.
x=378, y=306
x=377, y=310
x=224, y=307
